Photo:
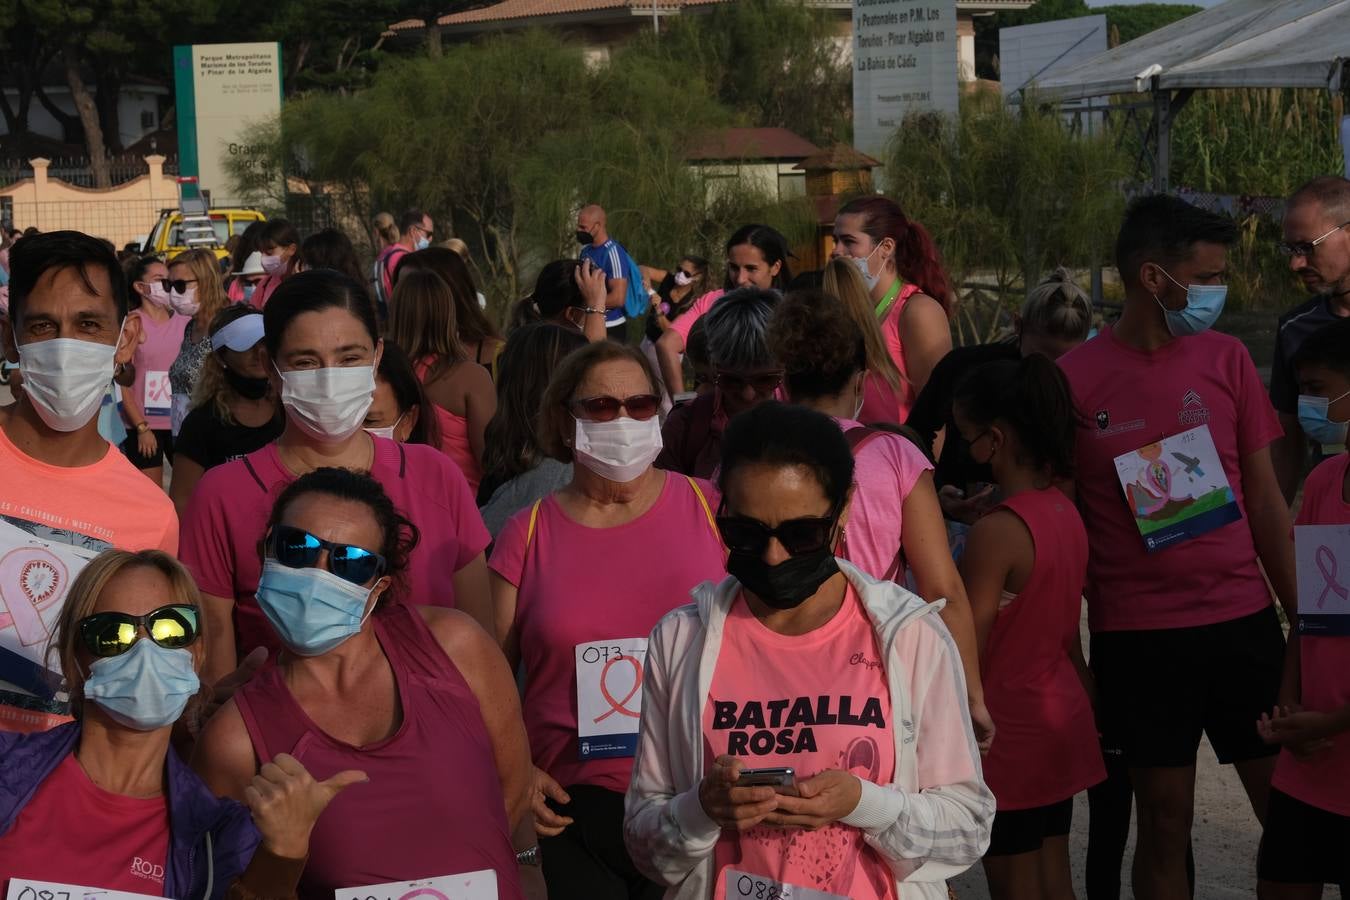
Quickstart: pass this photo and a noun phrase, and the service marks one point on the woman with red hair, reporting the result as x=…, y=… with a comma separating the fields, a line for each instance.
x=903, y=272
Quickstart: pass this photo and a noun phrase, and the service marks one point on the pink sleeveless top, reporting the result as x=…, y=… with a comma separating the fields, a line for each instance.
x=881, y=402
x=1046, y=748
x=454, y=436
x=433, y=805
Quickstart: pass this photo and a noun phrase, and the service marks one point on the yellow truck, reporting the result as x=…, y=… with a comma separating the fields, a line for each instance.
x=168, y=239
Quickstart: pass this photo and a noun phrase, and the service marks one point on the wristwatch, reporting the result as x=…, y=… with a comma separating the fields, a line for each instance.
x=529, y=857
x=142, y=427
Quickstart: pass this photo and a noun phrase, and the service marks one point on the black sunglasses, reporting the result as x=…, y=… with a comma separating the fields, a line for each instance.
x=808, y=534
x=296, y=548
x=606, y=409
x=763, y=385
x=114, y=633
x=176, y=286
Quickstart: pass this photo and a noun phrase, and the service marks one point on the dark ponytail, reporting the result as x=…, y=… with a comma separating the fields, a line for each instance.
x=1032, y=398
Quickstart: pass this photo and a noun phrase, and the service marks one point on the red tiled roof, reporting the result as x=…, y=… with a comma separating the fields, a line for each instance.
x=751, y=143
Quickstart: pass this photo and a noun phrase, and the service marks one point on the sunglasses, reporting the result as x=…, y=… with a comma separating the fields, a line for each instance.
x=808, y=534
x=114, y=633
x=763, y=385
x=177, y=286
x=296, y=548
x=606, y=409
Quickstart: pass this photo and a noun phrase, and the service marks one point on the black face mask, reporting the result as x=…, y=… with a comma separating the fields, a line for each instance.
x=244, y=386
x=584, y=238
x=788, y=584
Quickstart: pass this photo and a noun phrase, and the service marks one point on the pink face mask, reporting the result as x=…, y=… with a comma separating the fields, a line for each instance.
x=272, y=264
x=158, y=295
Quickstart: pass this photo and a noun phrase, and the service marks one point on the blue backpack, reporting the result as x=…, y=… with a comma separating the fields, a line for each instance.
x=635, y=305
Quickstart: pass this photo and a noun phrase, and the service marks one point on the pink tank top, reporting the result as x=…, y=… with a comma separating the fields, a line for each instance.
x=433, y=805
x=881, y=402
x=454, y=436
x=1046, y=749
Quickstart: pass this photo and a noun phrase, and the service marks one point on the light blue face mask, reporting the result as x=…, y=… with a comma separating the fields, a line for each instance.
x=248, y=290
x=1316, y=423
x=423, y=243
x=312, y=610
x=145, y=688
x=1204, y=303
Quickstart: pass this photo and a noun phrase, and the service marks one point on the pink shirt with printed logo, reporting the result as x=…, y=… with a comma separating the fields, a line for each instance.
x=1320, y=780
x=159, y=347
x=74, y=830
x=578, y=584
x=1131, y=398
x=811, y=702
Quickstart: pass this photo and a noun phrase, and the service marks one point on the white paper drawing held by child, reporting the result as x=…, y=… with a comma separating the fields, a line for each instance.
x=1176, y=488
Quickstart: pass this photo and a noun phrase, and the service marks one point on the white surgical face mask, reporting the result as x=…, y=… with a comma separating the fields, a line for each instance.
x=186, y=303
x=682, y=279
x=158, y=296
x=620, y=450
x=329, y=405
x=861, y=262
x=66, y=378
x=387, y=432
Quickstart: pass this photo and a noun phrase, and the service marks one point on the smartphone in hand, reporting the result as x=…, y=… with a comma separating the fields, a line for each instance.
x=782, y=780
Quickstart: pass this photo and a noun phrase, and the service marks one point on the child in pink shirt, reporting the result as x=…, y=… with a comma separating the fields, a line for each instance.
x=1024, y=567
x=1307, y=825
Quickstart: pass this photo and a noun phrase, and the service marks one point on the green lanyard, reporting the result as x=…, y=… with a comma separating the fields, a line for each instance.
x=885, y=305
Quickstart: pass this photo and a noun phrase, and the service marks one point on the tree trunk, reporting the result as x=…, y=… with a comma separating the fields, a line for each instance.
x=85, y=106
x=433, y=36
x=107, y=93
x=70, y=125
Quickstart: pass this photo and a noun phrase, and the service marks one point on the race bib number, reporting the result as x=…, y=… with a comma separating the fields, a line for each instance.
x=35, y=574
x=471, y=886
x=24, y=889
x=1177, y=489
x=157, y=398
x=1322, y=553
x=744, y=886
x=609, y=697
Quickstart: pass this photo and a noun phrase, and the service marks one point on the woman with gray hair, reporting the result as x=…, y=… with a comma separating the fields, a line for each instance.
x=1056, y=317
x=745, y=374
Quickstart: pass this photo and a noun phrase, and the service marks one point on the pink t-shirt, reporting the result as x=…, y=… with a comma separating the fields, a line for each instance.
x=228, y=512
x=579, y=584
x=1131, y=398
x=886, y=469
x=105, y=840
x=685, y=323
x=1324, y=662
x=813, y=702
x=158, y=349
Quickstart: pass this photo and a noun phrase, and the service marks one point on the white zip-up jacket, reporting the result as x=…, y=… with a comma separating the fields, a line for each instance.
x=930, y=824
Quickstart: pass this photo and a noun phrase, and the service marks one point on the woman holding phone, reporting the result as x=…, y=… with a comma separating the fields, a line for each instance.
x=799, y=660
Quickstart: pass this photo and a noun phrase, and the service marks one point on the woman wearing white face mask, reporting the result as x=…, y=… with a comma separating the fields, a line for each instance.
x=279, y=244
x=903, y=271
x=396, y=411
x=578, y=582
x=197, y=293
x=323, y=348
x=106, y=796
x=147, y=401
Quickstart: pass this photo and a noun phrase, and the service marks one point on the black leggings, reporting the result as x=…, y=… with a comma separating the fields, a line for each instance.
x=1110, y=805
x=588, y=861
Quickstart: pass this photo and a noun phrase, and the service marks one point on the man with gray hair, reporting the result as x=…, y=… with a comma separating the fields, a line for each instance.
x=744, y=375
x=1317, y=243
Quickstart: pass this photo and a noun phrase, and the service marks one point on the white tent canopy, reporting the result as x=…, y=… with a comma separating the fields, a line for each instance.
x=1240, y=43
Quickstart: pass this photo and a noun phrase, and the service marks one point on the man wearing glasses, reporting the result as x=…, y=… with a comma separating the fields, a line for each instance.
x=416, y=231
x=1317, y=244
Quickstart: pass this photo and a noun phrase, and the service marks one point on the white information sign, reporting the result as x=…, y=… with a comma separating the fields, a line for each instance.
x=904, y=60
